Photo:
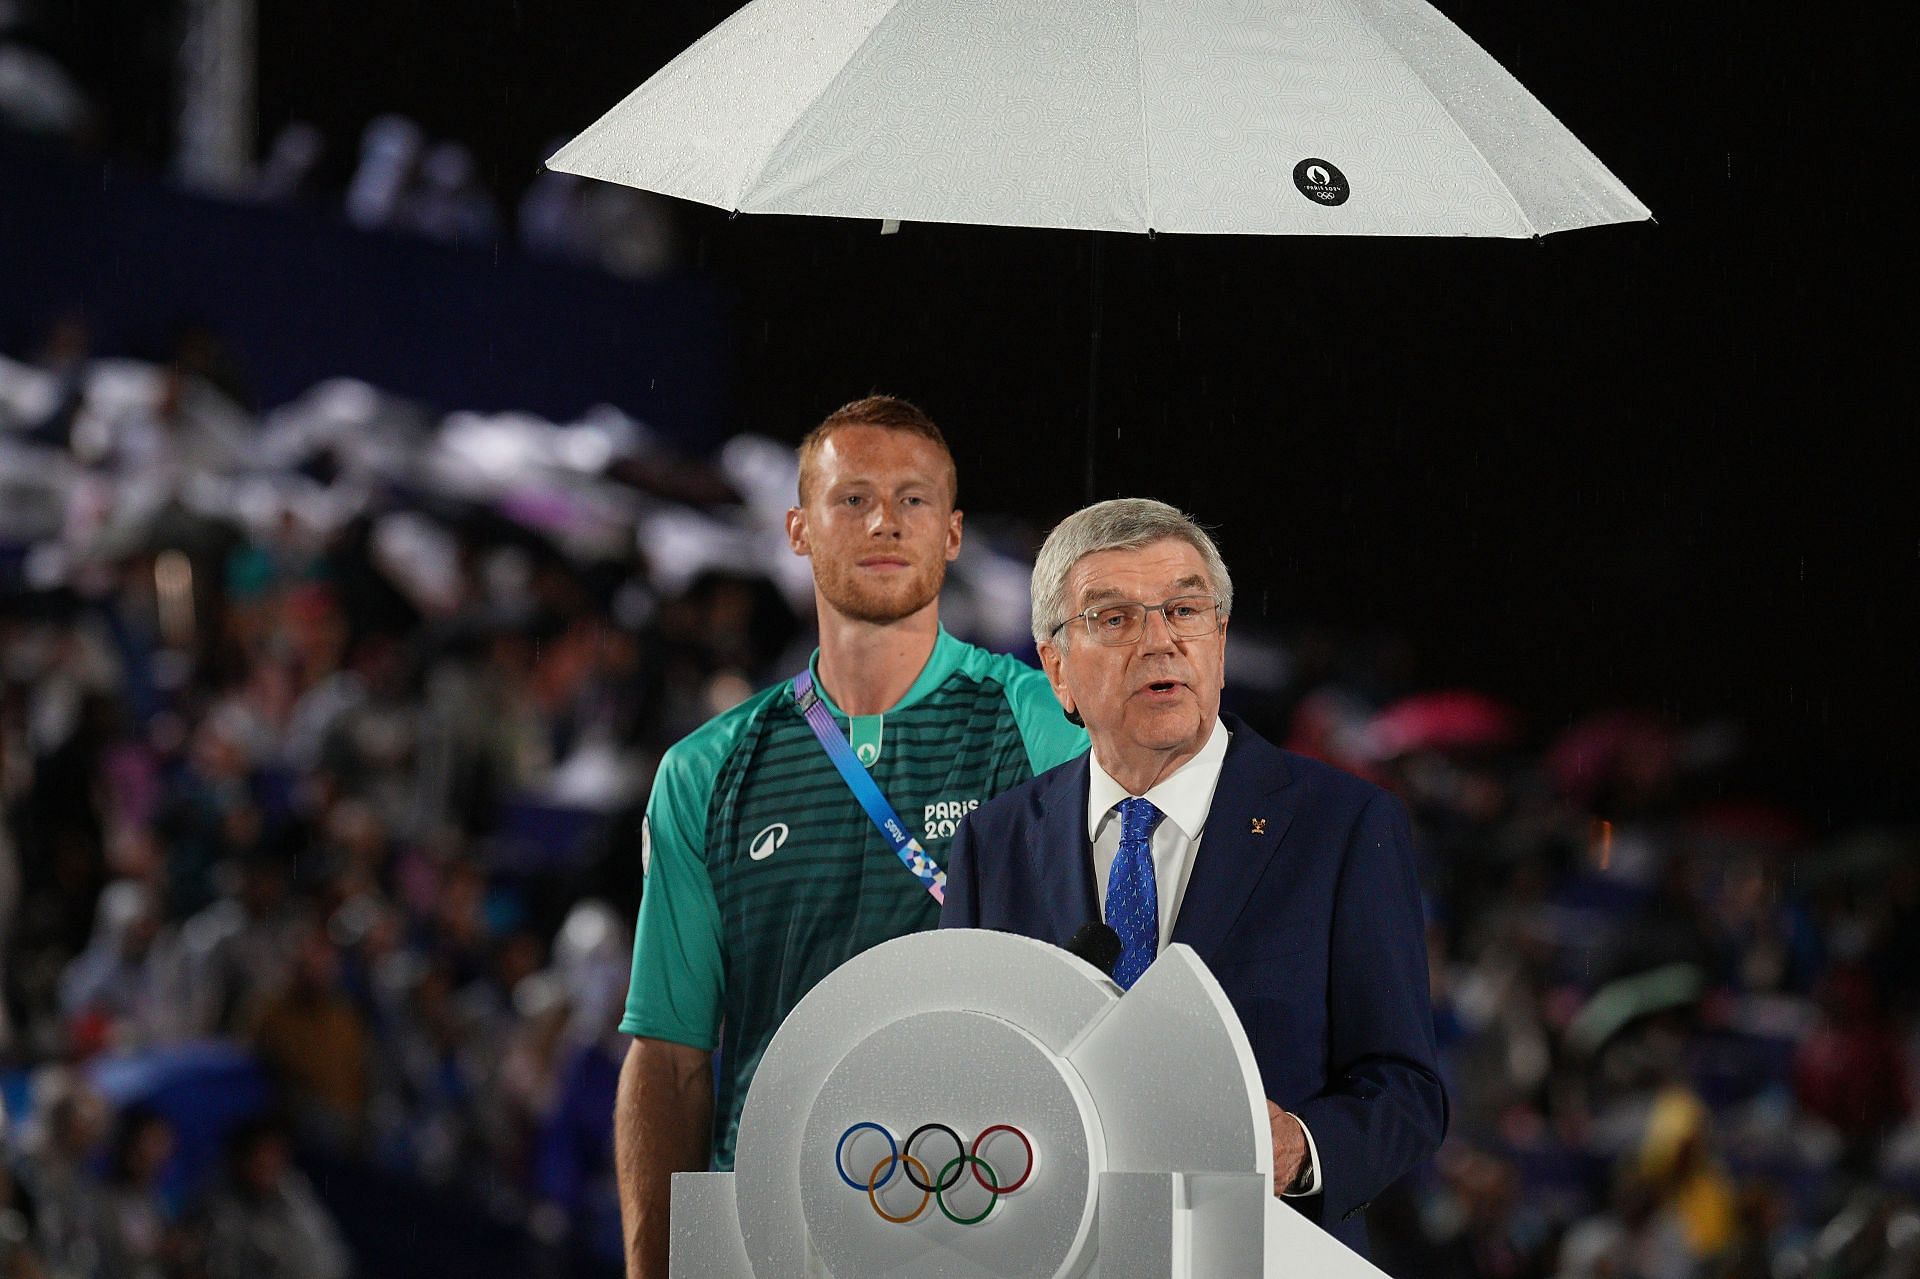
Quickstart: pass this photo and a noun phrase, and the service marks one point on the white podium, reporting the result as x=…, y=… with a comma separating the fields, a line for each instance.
x=973, y=1105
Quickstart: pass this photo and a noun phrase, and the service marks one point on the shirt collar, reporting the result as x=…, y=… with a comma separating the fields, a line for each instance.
x=1184, y=796
x=941, y=662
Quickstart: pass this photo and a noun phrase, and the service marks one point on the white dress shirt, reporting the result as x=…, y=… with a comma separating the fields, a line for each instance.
x=1184, y=798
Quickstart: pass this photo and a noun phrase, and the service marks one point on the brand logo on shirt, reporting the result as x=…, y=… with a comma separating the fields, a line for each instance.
x=767, y=841
x=943, y=818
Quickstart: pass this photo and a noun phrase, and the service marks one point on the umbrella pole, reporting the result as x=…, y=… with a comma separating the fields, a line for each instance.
x=1093, y=368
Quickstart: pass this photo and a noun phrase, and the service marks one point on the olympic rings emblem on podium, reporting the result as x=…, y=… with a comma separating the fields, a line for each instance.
x=901, y=1158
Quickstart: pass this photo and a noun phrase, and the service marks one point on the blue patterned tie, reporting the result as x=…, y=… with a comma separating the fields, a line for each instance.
x=1133, y=901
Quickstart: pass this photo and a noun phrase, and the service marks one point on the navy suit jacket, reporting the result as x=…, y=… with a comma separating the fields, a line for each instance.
x=1303, y=901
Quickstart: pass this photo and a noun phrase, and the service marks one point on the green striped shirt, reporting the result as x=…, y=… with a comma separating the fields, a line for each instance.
x=763, y=874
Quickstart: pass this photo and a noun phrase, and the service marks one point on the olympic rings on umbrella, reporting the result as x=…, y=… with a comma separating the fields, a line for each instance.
x=900, y=1157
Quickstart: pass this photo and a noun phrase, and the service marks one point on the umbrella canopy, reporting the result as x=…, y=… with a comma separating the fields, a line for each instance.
x=1619, y=1004
x=1289, y=117
x=1450, y=720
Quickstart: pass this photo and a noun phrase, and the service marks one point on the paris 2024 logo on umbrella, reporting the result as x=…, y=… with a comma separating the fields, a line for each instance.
x=1320, y=181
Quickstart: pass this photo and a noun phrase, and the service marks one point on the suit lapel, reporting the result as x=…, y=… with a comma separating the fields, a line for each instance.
x=1060, y=862
x=1246, y=827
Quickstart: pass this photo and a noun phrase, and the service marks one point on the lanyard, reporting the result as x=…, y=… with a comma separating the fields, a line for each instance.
x=865, y=789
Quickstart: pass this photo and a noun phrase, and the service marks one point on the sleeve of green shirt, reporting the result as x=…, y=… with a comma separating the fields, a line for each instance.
x=678, y=964
x=1051, y=738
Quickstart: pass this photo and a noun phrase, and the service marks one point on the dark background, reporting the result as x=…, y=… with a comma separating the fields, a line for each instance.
x=1668, y=465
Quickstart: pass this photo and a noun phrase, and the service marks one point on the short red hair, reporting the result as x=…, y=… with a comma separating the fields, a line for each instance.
x=889, y=413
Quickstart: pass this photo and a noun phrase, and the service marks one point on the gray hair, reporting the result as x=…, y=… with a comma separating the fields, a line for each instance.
x=1122, y=524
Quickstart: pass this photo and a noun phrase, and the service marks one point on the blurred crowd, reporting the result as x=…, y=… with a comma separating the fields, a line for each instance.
x=396, y=177
x=407, y=182
x=38, y=95
x=323, y=739
x=1678, y=1024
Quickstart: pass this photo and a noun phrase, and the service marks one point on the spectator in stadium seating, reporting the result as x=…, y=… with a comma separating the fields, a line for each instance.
x=238, y=948
x=288, y=173
x=527, y=1081
x=10, y=882
x=141, y=1240
x=550, y=221
x=38, y=95
x=70, y=1209
x=19, y=1245
x=1678, y=1165
x=316, y=1043
x=266, y=1222
x=449, y=203
x=1851, y=1070
x=1481, y=1237
x=437, y=1063
x=210, y=813
x=382, y=191
x=115, y=993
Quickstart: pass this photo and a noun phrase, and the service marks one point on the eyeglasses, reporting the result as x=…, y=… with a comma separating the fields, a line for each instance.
x=1188, y=617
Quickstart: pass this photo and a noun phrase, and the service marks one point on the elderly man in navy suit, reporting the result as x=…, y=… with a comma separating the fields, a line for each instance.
x=1293, y=881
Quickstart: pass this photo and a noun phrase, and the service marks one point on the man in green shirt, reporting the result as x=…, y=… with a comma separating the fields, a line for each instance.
x=763, y=873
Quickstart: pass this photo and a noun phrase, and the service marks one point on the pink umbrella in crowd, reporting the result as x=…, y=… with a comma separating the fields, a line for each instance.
x=1449, y=720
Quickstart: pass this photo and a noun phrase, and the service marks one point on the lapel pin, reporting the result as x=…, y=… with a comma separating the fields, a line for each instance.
x=1259, y=825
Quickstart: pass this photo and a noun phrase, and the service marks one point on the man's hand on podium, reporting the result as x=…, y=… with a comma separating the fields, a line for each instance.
x=1290, y=1163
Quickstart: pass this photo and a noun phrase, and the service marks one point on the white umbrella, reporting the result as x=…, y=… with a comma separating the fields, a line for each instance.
x=1292, y=117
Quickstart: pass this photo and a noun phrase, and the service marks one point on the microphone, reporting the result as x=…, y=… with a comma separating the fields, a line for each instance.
x=1098, y=944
